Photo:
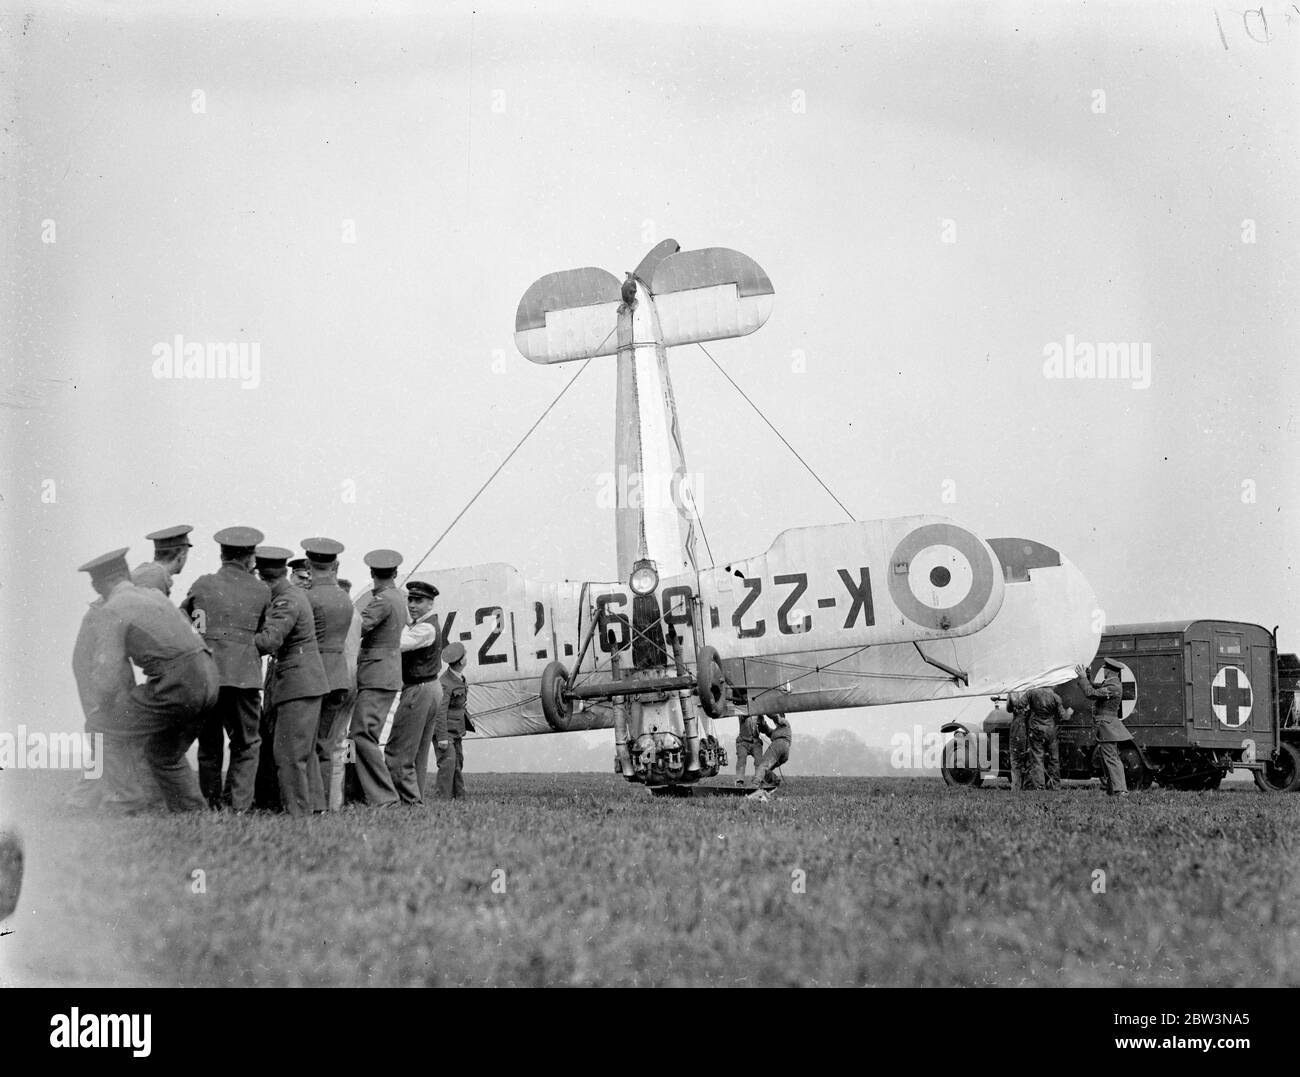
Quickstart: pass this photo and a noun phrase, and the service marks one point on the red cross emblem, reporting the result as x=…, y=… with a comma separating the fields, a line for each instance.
x=1231, y=697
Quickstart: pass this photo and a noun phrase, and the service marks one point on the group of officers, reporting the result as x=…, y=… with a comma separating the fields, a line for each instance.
x=1035, y=751
x=332, y=670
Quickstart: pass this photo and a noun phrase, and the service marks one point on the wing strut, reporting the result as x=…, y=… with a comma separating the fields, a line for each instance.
x=960, y=676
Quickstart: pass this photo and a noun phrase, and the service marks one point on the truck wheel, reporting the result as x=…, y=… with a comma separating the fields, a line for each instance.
x=955, y=770
x=1136, y=775
x=556, y=707
x=709, y=681
x=1281, y=775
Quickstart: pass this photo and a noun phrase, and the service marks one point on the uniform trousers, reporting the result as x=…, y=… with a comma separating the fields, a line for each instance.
x=335, y=708
x=236, y=714
x=163, y=717
x=1113, y=777
x=368, y=716
x=451, y=761
x=407, y=752
x=296, y=723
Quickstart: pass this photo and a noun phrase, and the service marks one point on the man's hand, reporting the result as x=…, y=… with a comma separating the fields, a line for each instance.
x=1081, y=671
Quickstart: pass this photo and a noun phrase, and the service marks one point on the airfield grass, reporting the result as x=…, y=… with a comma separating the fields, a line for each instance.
x=904, y=882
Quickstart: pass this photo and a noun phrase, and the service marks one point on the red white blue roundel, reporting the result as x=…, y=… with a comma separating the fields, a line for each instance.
x=942, y=578
x=1231, y=697
x=1128, y=699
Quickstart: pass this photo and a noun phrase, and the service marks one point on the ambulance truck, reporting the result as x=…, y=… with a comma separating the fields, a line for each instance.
x=1200, y=698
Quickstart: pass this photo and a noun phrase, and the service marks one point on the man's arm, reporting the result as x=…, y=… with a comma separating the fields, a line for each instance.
x=418, y=635
x=276, y=626
x=1110, y=690
x=440, y=718
x=373, y=615
x=105, y=677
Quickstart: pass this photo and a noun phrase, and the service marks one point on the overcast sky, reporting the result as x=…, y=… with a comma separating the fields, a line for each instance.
x=1110, y=173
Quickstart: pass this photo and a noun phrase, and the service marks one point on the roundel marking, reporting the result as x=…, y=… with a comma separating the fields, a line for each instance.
x=1231, y=697
x=941, y=576
x=1128, y=700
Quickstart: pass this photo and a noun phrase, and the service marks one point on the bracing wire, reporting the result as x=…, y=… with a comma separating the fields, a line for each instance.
x=778, y=434
x=518, y=445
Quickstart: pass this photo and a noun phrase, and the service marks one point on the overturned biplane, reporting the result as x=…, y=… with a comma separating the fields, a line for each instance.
x=842, y=615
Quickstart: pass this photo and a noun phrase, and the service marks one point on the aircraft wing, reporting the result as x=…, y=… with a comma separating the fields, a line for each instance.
x=843, y=615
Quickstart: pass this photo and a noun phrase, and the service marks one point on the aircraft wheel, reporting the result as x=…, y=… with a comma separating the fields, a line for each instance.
x=709, y=681
x=1281, y=775
x=556, y=707
x=955, y=771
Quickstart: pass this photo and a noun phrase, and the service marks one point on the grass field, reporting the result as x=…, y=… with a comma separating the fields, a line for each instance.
x=905, y=882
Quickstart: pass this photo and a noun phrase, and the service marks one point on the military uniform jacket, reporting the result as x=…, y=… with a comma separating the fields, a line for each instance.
x=134, y=624
x=152, y=574
x=289, y=636
x=379, y=662
x=333, y=612
x=227, y=608
x=449, y=721
x=748, y=731
x=104, y=678
x=1106, y=705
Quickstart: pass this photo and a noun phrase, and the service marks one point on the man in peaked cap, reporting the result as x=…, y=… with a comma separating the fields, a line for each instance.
x=407, y=750
x=333, y=612
x=289, y=636
x=1110, y=729
x=171, y=549
x=155, y=722
x=227, y=608
x=379, y=675
x=299, y=573
x=450, y=722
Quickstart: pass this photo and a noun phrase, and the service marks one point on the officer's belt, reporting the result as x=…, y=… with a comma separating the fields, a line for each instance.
x=232, y=632
x=391, y=649
x=298, y=649
x=331, y=650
